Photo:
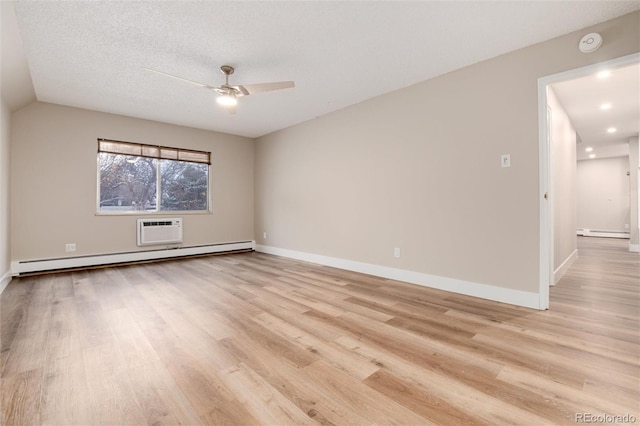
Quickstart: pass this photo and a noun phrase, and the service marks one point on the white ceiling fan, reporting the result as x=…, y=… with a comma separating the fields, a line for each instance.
x=228, y=95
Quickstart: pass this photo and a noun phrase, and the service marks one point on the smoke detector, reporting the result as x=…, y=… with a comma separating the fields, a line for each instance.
x=590, y=43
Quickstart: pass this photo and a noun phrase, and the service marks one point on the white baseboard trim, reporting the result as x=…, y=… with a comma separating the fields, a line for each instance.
x=560, y=271
x=484, y=291
x=635, y=248
x=27, y=266
x=4, y=281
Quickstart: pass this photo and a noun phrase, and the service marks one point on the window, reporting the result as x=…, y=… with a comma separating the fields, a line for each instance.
x=136, y=178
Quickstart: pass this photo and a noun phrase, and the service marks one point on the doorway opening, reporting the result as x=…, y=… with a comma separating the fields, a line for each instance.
x=548, y=197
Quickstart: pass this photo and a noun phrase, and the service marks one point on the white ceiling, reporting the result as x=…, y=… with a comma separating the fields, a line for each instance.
x=91, y=54
x=582, y=99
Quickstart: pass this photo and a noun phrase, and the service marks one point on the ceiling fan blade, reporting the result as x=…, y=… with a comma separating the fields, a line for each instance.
x=250, y=89
x=206, y=86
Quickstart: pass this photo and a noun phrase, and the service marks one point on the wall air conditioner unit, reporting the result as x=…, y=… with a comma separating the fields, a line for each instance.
x=159, y=231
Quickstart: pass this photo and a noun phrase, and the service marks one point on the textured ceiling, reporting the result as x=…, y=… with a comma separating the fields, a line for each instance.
x=91, y=54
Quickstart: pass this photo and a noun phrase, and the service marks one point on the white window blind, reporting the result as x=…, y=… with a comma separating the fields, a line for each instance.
x=153, y=151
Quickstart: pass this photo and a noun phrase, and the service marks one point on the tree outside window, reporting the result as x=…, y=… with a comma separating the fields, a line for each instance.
x=141, y=183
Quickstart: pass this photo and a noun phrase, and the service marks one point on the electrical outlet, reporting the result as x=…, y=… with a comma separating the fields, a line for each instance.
x=70, y=247
x=396, y=252
x=264, y=235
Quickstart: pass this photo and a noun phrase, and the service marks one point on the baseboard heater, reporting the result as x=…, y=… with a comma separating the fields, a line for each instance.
x=602, y=233
x=23, y=267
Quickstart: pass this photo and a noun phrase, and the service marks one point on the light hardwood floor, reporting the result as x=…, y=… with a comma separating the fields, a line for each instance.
x=256, y=339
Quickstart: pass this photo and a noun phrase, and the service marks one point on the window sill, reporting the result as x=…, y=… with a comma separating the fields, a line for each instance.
x=159, y=214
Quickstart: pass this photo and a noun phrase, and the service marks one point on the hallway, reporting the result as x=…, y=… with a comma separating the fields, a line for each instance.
x=598, y=302
x=602, y=285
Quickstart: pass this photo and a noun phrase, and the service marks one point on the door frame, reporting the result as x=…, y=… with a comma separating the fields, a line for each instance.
x=546, y=270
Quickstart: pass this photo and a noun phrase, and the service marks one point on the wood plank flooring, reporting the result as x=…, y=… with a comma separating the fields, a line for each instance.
x=251, y=339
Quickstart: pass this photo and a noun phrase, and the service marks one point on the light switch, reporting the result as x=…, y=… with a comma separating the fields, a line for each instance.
x=506, y=160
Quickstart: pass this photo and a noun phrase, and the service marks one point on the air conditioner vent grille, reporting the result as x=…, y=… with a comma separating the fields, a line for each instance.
x=157, y=223
x=157, y=232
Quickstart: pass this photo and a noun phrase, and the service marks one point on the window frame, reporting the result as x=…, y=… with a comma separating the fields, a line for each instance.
x=159, y=153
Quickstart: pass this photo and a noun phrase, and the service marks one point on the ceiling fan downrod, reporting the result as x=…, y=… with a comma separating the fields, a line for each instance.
x=227, y=70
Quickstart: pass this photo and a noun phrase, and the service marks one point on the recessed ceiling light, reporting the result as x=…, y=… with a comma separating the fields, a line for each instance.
x=604, y=74
x=589, y=149
x=605, y=106
x=611, y=130
x=592, y=156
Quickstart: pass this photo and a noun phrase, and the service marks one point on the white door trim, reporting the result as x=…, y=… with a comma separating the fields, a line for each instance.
x=546, y=159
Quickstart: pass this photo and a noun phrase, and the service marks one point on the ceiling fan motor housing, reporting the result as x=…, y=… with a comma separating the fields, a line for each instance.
x=227, y=70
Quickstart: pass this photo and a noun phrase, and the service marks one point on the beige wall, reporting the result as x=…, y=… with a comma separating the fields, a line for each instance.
x=53, y=182
x=603, y=194
x=563, y=141
x=419, y=169
x=5, y=252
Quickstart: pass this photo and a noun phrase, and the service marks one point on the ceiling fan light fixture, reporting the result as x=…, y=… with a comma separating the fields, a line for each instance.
x=227, y=100
x=228, y=95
